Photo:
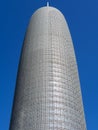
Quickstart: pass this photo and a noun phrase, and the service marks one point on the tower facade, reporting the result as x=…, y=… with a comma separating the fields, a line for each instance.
x=48, y=95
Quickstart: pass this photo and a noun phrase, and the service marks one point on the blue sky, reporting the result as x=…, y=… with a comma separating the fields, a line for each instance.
x=82, y=18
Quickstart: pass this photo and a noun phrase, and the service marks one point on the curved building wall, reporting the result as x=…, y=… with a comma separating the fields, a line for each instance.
x=48, y=95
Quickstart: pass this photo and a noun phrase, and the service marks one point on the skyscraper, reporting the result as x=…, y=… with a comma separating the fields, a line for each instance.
x=48, y=95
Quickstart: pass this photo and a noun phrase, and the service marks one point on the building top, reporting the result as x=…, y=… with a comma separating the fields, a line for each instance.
x=46, y=9
x=47, y=4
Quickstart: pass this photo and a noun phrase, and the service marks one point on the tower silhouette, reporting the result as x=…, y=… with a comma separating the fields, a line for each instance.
x=47, y=94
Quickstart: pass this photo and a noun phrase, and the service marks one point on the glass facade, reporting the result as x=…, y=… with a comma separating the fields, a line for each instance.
x=48, y=95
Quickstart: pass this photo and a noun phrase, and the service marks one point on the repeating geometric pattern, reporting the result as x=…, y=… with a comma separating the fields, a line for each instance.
x=48, y=95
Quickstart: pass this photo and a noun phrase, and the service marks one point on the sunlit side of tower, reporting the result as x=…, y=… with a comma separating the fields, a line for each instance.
x=48, y=95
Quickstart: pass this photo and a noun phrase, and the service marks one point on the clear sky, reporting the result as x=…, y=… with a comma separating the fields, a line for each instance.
x=82, y=18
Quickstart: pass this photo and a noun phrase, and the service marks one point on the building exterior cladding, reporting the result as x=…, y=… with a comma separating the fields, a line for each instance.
x=48, y=95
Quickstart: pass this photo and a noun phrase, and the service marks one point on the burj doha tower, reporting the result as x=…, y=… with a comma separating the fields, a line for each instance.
x=47, y=94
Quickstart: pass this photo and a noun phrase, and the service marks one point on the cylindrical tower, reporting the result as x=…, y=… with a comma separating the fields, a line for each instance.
x=48, y=95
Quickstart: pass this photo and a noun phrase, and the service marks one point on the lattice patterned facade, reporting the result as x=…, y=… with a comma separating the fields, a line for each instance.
x=48, y=95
